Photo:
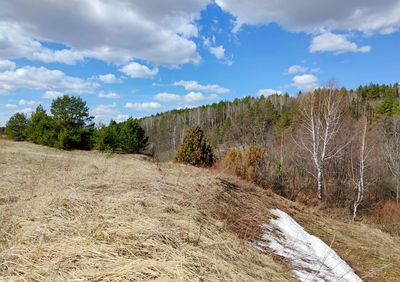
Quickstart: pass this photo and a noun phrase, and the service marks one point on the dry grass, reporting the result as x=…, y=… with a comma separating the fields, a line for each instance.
x=83, y=216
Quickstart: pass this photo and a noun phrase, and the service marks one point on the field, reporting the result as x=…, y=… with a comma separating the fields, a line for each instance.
x=88, y=216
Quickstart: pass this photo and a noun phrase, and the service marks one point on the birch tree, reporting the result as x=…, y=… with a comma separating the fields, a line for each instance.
x=359, y=165
x=320, y=113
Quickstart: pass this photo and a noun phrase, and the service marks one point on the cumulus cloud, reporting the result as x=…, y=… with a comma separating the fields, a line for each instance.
x=25, y=110
x=305, y=82
x=52, y=94
x=309, y=16
x=168, y=97
x=109, y=78
x=146, y=106
x=137, y=70
x=337, y=43
x=194, y=97
x=7, y=65
x=117, y=31
x=109, y=95
x=218, y=52
x=41, y=78
x=296, y=69
x=105, y=113
x=11, y=106
x=267, y=92
x=192, y=85
x=24, y=102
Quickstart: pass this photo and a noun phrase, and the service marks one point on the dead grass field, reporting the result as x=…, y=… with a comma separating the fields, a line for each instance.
x=83, y=216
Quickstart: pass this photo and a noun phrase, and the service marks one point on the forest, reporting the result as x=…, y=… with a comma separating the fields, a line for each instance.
x=331, y=147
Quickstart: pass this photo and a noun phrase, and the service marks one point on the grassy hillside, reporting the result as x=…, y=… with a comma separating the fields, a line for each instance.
x=68, y=215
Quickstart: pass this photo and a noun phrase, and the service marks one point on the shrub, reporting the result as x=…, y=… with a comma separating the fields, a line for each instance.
x=248, y=165
x=16, y=127
x=253, y=163
x=233, y=162
x=195, y=149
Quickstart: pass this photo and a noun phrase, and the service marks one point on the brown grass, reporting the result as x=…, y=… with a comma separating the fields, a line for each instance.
x=79, y=215
x=84, y=216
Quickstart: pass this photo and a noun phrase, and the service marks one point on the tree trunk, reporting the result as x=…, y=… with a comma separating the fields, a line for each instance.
x=319, y=183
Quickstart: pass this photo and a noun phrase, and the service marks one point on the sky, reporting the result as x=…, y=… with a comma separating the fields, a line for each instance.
x=136, y=58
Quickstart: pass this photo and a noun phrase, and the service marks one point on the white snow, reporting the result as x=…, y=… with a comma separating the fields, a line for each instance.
x=310, y=257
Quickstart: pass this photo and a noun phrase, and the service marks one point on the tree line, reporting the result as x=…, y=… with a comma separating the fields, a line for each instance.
x=332, y=146
x=70, y=126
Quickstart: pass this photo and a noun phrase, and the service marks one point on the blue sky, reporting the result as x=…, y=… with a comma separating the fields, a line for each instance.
x=137, y=58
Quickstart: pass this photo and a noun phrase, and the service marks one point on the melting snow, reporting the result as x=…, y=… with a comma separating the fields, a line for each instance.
x=310, y=257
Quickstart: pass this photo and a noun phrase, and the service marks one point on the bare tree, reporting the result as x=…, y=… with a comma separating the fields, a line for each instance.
x=391, y=148
x=359, y=166
x=321, y=113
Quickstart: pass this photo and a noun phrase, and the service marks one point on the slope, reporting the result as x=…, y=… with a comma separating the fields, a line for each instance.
x=69, y=215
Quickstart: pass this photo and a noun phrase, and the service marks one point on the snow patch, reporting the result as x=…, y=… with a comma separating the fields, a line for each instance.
x=310, y=257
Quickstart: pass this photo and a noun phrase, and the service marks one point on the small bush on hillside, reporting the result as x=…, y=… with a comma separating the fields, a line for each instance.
x=248, y=165
x=233, y=162
x=253, y=163
x=195, y=149
x=16, y=127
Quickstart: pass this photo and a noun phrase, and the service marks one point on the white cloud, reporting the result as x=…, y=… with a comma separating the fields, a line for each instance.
x=11, y=106
x=137, y=70
x=191, y=85
x=25, y=111
x=52, y=94
x=109, y=95
x=109, y=78
x=41, y=78
x=7, y=65
x=168, y=97
x=24, y=102
x=146, y=106
x=296, y=69
x=105, y=113
x=366, y=16
x=338, y=43
x=267, y=92
x=305, y=82
x=112, y=31
x=218, y=52
x=194, y=97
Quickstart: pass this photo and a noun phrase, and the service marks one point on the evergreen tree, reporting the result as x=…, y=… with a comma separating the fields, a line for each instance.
x=16, y=127
x=41, y=128
x=132, y=138
x=195, y=149
x=73, y=123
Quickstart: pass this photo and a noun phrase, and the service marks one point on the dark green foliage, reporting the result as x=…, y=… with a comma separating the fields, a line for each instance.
x=128, y=137
x=132, y=136
x=16, y=127
x=41, y=128
x=73, y=124
x=195, y=149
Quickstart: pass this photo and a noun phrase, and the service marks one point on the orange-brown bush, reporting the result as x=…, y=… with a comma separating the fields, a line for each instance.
x=387, y=215
x=247, y=165
x=195, y=149
x=233, y=162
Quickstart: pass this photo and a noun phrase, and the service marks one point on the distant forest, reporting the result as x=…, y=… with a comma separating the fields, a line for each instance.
x=330, y=147
x=279, y=142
